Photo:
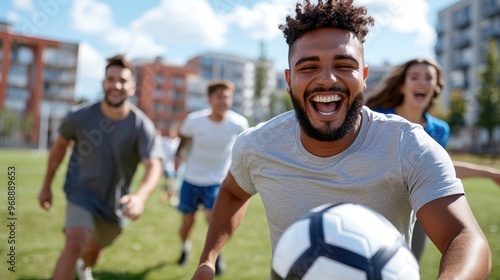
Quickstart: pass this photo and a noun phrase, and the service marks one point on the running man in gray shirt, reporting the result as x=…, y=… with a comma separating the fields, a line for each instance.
x=109, y=139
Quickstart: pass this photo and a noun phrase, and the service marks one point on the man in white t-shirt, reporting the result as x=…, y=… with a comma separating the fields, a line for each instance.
x=211, y=134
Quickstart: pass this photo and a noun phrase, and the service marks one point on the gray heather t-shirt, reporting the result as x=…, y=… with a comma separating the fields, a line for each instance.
x=393, y=166
x=105, y=157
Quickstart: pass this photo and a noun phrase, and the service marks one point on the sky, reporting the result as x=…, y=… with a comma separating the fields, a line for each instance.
x=179, y=30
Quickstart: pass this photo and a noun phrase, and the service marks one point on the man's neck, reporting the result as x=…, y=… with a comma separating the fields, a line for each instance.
x=115, y=113
x=330, y=148
x=412, y=114
x=216, y=117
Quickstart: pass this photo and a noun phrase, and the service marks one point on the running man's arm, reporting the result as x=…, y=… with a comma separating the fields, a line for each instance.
x=468, y=170
x=135, y=202
x=451, y=225
x=183, y=146
x=228, y=212
x=56, y=156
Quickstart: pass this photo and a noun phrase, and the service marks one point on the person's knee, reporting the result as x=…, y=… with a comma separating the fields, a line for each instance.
x=76, y=240
x=188, y=219
x=208, y=215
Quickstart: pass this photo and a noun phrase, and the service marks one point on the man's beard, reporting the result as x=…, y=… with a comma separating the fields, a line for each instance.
x=328, y=133
x=114, y=104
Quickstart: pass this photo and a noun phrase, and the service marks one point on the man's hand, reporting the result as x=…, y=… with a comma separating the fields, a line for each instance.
x=204, y=272
x=496, y=178
x=133, y=205
x=45, y=198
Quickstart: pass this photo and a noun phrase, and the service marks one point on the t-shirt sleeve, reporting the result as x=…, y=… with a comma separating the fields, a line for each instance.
x=150, y=145
x=244, y=123
x=186, y=129
x=242, y=164
x=67, y=129
x=429, y=170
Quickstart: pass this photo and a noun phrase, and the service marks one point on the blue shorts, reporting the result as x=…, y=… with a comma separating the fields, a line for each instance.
x=191, y=196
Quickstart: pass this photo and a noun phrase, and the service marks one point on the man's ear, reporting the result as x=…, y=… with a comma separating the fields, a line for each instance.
x=287, y=79
x=366, y=72
x=132, y=89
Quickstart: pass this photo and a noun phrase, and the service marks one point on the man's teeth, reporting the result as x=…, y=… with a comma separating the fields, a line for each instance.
x=326, y=113
x=326, y=98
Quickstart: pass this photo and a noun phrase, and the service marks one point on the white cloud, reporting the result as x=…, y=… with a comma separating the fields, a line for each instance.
x=261, y=21
x=90, y=70
x=134, y=44
x=91, y=16
x=192, y=22
x=95, y=17
x=25, y=5
x=91, y=63
x=13, y=17
x=402, y=17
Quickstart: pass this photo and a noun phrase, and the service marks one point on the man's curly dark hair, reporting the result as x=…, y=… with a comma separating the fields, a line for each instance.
x=332, y=14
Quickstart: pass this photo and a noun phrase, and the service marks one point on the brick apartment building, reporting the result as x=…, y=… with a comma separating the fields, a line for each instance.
x=37, y=86
x=162, y=92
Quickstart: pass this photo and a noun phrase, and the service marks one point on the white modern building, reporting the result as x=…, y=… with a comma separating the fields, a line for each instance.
x=242, y=72
x=463, y=32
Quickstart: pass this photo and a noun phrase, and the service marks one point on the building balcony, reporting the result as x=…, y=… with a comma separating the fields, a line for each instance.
x=61, y=96
x=462, y=42
x=490, y=33
x=462, y=23
x=438, y=49
x=460, y=64
x=491, y=11
x=440, y=29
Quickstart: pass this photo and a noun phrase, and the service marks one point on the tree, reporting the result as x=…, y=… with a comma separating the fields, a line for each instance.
x=280, y=102
x=458, y=106
x=261, y=73
x=488, y=97
x=8, y=120
x=261, y=81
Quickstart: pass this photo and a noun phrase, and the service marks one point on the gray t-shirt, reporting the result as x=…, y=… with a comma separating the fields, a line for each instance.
x=393, y=167
x=105, y=157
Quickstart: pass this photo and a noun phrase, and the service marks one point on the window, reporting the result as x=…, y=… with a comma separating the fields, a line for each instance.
x=178, y=81
x=159, y=79
x=59, y=57
x=461, y=18
x=158, y=93
x=175, y=95
x=18, y=75
x=21, y=54
x=177, y=109
x=158, y=107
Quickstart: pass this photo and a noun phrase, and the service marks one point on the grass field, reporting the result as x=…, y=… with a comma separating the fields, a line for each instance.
x=149, y=247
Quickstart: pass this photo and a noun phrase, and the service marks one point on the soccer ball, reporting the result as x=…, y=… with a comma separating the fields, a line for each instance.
x=343, y=241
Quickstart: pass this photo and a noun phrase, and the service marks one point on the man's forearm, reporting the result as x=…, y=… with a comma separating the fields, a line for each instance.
x=467, y=257
x=227, y=214
x=467, y=170
x=56, y=156
x=151, y=177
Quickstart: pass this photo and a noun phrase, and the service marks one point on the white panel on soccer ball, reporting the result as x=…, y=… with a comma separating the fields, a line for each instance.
x=402, y=265
x=327, y=269
x=336, y=234
x=351, y=235
x=293, y=243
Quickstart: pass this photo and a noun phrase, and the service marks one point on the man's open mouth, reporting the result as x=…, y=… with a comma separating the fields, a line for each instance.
x=326, y=105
